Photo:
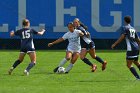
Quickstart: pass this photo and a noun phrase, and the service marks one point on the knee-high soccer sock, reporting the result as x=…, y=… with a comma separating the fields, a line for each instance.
x=69, y=67
x=17, y=62
x=134, y=72
x=85, y=60
x=31, y=65
x=99, y=59
x=62, y=62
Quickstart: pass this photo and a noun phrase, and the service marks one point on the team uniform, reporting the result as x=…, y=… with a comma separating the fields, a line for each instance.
x=27, y=46
x=74, y=46
x=88, y=43
x=26, y=36
x=74, y=41
x=132, y=45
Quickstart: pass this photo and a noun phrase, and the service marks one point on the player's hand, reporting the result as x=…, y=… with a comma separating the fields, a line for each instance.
x=50, y=44
x=88, y=34
x=43, y=30
x=12, y=33
x=113, y=46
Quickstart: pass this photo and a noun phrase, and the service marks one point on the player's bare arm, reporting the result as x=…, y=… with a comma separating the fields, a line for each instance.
x=41, y=32
x=118, y=41
x=88, y=34
x=56, y=42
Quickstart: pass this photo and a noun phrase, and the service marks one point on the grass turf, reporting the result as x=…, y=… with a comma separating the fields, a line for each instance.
x=116, y=78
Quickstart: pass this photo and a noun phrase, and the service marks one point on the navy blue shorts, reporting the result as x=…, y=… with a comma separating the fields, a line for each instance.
x=88, y=46
x=132, y=55
x=27, y=50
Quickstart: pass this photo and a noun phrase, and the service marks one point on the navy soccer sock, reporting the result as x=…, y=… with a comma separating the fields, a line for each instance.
x=85, y=60
x=31, y=65
x=99, y=59
x=17, y=62
x=134, y=72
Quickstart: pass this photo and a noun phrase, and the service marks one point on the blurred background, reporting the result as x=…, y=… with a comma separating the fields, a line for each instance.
x=104, y=19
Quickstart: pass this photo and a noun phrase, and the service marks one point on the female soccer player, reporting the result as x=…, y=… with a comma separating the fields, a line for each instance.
x=88, y=46
x=132, y=40
x=27, y=45
x=73, y=49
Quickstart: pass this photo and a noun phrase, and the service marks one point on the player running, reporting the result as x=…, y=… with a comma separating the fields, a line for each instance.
x=73, y=49
x=132, y=40
x=88, y=47
x=27, y=45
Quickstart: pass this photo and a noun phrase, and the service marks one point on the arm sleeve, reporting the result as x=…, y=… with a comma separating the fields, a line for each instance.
x=78, y=31
x=123, y=31
x=34, y=31
x=65, y=36
x=83, y=30
x=17, y=33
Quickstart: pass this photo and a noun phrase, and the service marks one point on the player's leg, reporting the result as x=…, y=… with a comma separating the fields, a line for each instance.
x=93, y=55
x=17, y=62
x=83, y=57
x=64, y=60
x=137, y=63
x=32, y=56
x=86, y=60
x=132, y=69
x=73, y=60
x=67, y=58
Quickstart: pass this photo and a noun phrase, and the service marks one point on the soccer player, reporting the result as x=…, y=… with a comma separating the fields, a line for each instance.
x=88, y=47
x=27, y=45
x=73, y=49
x=132, y=40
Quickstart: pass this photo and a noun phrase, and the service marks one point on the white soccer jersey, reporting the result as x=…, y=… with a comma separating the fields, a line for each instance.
x=74, y=41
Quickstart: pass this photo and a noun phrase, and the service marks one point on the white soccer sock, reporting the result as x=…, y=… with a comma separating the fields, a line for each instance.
x=69, y=67
x=62, y=62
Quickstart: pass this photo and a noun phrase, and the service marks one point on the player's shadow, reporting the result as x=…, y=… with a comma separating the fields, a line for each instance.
x=102, y=81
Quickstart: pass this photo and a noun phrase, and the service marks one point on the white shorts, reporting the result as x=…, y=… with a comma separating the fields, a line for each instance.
x=73, y=51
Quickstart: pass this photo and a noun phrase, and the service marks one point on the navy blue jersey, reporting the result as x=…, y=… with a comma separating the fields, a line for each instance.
x=88, y=43
x=130, y=37
x=82, y=29
x=26, y=36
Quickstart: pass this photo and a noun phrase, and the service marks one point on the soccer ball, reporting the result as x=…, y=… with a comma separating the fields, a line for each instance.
x=61, y=70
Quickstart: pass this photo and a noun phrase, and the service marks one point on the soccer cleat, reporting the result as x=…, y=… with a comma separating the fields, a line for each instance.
x=66, y=72
x=94, y=67
x=26, y=73
x=10, y=70
x=104, y=65
x=138, y=79
x=55, y=70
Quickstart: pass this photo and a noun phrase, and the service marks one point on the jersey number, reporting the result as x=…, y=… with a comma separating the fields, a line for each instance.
x=132, y=33
x=26, y=34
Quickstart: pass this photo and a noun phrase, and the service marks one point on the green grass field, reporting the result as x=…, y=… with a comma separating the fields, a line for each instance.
x=115, y=79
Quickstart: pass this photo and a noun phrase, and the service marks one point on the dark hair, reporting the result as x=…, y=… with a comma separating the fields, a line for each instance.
x=25, y=22
x=84, y=26
x=127, y=19
x=70, y=23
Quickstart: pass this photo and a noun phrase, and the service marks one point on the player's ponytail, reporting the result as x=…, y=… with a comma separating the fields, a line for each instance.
x=81, y=24
x=84, y=26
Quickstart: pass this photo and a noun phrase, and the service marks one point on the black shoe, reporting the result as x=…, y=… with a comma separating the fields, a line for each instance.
x=66, y=72
x=55, y=70
x=138, y=79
